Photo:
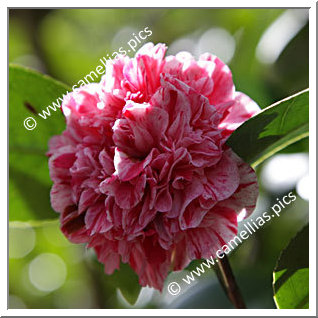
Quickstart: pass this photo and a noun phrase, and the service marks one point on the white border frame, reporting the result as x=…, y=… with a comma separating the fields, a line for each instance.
x=161, y=312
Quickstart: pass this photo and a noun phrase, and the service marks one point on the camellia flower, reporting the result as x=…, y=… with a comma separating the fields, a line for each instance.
x=142, y=173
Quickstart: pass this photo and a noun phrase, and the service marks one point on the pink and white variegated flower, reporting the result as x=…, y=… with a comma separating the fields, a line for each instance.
x=142, y=173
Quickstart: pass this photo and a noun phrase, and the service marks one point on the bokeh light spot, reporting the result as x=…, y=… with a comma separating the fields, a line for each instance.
x=16, y=302
x=282, y=172
x=303, y=187
x=47, y=272
x=182, y=44
x=21, y=239
x=279, y=34
x=219, y=42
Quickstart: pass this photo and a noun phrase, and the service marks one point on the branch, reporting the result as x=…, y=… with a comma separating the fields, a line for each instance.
x=227, y=279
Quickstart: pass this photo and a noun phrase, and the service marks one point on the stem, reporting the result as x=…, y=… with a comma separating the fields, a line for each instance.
x=225, y=275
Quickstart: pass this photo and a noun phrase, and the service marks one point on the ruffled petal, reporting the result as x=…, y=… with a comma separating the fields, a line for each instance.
x=142, y=173
x=245, y=196
x=237, y=112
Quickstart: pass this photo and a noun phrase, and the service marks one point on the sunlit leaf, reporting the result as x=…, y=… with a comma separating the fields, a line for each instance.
x=29, y=93
x=291, y=275
x=273, y=129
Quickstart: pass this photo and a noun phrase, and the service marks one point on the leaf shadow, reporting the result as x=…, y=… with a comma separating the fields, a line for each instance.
x=299, y=249
x=244, y=138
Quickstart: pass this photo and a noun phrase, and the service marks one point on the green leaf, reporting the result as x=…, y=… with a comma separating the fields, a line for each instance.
x=29, y=184
x=126, y=280
x=291, y=275
x=273, y=129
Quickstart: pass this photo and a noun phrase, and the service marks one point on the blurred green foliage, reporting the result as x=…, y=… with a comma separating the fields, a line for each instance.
x=67, y=44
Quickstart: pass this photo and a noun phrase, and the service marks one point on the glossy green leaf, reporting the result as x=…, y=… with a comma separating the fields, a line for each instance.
x=29, y=93
x=273, y=129
x=291, y=275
